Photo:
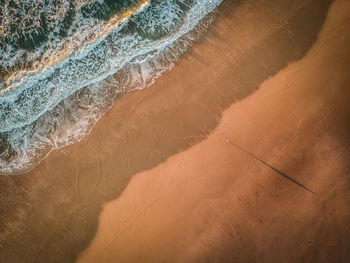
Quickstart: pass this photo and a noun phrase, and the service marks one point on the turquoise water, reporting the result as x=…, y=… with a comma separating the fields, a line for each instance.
x=64, y=62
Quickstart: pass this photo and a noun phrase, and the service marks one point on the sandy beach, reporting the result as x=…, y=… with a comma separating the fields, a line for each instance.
x=155, y=181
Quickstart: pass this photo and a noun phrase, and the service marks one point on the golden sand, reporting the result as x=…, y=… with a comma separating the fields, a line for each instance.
x=214, y=203
x=155, y=181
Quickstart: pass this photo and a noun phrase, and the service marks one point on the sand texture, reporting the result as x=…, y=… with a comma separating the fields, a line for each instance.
x=155, y=181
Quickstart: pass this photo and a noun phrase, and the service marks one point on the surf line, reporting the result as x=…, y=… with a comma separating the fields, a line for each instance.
x=270, y=166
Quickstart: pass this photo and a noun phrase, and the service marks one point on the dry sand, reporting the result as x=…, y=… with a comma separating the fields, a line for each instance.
x=214, y=203
x=180, y=192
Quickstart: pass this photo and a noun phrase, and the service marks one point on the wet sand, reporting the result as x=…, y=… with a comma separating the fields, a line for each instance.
x=156, y=182
x=215, y=203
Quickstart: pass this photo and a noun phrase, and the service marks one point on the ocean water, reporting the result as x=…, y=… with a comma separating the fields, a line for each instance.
x=64, y=62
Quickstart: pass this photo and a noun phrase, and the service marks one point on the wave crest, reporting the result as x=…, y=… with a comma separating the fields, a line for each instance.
x=61, y=111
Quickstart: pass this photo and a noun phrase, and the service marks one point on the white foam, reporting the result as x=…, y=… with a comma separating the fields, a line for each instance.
x=36, y=94
x=71, y=119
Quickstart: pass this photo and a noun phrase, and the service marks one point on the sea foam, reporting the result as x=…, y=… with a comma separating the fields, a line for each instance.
x=61, y=104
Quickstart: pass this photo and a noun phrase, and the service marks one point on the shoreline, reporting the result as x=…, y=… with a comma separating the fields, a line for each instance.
x=214, y=202
x=148, y=136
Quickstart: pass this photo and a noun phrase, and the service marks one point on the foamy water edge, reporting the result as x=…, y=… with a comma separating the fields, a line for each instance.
x=139, y=73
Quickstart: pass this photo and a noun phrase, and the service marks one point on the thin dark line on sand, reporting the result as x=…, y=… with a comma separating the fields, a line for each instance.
x=271, y=167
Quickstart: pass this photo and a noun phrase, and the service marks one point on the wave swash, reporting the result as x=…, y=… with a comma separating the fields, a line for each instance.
x=64, y=62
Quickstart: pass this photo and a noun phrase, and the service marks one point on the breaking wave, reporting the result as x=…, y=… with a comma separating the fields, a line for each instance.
x=56, y=96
